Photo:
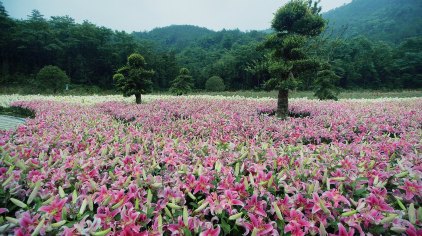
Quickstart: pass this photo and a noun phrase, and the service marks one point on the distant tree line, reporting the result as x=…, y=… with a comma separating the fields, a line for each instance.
x=90, y=55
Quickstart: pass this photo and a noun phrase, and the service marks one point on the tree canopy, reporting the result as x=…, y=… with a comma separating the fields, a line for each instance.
x=91, y=54
x=134, y=78
x=294, y=24
x=183, y=83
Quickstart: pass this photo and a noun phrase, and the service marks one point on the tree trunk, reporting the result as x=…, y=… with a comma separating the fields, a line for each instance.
x=283, y=104
x=138, y=98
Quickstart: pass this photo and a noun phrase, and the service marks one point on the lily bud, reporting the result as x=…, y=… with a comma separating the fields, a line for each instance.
x=270, y=181
x=12, y=220
x=74, y=196
x=174, y=206
x=254, y=232
x=7, y=181
x=168, y=213
x=38, y=228
x=48, y=201
x=191, y=196
x=388, y=219
x=160, y=224
x=106, y=200
x=117, y=205
x=58, y=224
x=34, y=192
x=349, y=213
x=402, y=174
x=101, y=233
x=61, y=192
x=251, y=179
x=412, y=213
x=277, y=211
x=18, y=203
x=401, y=205
x=322, y=230
x=236, y=216
x=201, y=207
x=323, y=207
x=64, y=213
x=83, y=207
x=398, y=230
x=149, y=197
x=185, y=216
x=236, y=169
x=90, y=204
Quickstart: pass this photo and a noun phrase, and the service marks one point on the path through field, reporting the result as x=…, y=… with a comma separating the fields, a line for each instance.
x=10, y=122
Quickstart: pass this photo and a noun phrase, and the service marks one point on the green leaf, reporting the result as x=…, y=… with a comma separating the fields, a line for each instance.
x=226, y=227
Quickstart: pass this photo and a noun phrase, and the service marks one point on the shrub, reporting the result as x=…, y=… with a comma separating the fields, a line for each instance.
x=134, y=78
x=51, y=77
x=183, y=83
x=215, y=84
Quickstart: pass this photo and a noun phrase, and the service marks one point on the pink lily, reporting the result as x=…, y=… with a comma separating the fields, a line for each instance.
x=55, y=208
x=412, y=189
x=230, y=199
x=257, y=222
x=255, y=206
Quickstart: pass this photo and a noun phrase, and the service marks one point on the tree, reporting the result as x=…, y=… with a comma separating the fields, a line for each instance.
x=52, y=77
x=325, y=88
x=215, y=84
x=294, y=24
x=134, y=79
x=183, y=83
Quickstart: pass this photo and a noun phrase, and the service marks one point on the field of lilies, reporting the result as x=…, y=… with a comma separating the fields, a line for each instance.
x=212, y=166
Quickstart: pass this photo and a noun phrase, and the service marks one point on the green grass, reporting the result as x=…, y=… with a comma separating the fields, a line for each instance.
x=309, y=94
x=79, y=90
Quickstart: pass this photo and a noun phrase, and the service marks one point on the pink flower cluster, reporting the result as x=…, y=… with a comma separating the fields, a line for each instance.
x=214, y=167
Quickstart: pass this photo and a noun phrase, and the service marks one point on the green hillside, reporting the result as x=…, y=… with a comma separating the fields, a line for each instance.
x=386, y=20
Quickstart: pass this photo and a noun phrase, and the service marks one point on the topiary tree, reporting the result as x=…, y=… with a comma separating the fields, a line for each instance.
x=51, y=77
x=134, y=78
x=215, y=84
x=325, y=84
x=294, y=24
x=182, y=84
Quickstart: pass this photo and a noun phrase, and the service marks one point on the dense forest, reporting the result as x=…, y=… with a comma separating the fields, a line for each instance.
x=386, y=20
x=369, y=53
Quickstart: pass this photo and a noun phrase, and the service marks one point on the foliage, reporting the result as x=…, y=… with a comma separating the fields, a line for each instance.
x=183, y=83
x=91, y=54
x=17, y=112
x=325, y=84
x=52, y=77
x=213, y=166
x=215, y=83
x=379, y=20
x=295, y=23
x=134, y=79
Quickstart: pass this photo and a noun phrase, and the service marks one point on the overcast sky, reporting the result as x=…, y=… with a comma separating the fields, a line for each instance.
x=141, y=15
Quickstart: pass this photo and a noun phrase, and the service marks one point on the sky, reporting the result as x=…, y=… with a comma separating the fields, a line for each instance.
x=145, y=15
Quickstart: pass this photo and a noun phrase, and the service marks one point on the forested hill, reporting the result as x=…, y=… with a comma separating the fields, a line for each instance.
x=177, y=36
x=226, y=53
x=386, y=20
x=180, y=37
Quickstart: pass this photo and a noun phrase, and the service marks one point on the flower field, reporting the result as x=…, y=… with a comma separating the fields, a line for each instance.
x=203, y=166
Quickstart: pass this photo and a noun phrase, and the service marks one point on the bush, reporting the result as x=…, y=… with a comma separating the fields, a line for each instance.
x=215, y=84
x=134, y=78
x=182, y=84
x=51, y=77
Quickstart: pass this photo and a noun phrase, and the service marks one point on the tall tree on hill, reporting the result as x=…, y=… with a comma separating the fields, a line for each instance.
x=294, y=24
x=134, y=79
